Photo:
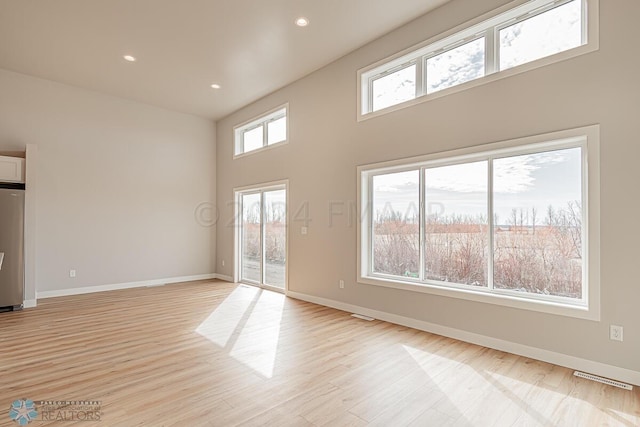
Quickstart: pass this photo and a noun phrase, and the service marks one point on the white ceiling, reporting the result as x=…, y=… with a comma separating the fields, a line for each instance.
x=249, y=47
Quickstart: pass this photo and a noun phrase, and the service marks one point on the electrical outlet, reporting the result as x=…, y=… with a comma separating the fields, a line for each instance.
x=615, y=333
x=304, y=230
x=72, y=273
x=341, y=284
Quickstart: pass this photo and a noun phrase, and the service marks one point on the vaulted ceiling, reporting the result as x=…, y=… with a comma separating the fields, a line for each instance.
x=248, y=47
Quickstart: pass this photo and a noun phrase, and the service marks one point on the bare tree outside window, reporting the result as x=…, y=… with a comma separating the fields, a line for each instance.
x=529, y=251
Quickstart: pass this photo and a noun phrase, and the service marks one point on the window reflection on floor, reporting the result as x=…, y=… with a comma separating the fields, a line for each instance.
x=247, y=325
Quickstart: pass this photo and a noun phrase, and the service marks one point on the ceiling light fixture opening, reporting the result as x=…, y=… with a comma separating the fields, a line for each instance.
x=302, y=22
x=129, y=58
x=216, y=86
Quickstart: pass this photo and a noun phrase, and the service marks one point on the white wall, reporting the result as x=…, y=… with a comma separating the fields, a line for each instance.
x=327, y=144
x=117, y=184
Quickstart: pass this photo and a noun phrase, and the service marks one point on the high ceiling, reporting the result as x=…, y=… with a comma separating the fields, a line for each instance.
x=249, y=47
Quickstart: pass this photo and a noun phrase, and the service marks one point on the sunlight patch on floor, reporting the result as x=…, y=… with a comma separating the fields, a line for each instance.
x=471, y=401
x=222, y=323
x=489, y=391
x=257, y=344
x=623, y=417
x=247, y=325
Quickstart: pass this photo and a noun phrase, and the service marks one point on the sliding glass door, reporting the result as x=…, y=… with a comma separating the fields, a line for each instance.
x=262, y=236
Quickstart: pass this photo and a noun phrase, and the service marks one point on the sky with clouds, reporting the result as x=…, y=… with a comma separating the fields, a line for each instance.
x=520, y=182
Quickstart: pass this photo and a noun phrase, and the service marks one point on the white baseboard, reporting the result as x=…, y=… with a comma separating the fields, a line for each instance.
x=103, y=288
x=30, y=303
x=572, y=362
x=225, y=278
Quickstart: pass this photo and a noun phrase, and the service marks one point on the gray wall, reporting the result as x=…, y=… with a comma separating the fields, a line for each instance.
x=327, y=143
x=118, y=183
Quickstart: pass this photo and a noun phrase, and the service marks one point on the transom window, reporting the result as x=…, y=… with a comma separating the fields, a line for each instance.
x=521, y=35
x=507, y=222
x=265, y=131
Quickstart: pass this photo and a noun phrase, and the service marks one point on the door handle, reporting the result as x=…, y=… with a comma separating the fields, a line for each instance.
x=1, y=259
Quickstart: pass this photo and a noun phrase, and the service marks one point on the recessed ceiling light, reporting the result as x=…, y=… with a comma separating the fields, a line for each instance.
x=302, y=22
x=216, y=86
x=129, y=58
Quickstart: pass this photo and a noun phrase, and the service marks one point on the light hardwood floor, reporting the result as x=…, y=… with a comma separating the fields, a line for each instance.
x=218, y=354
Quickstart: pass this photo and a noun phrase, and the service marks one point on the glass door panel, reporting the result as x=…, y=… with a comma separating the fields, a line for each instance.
x=275, y=234
x=251, y=231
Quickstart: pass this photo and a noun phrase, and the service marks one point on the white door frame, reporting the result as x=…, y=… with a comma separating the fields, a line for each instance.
x=237, y=206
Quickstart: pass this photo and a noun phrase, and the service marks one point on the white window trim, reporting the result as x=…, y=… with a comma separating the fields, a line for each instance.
x=465, y=33
x=263, y=119
x=588, y=309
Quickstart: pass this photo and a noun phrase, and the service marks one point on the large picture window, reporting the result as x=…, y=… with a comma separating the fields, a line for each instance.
x=513, y=39
x=508, y=221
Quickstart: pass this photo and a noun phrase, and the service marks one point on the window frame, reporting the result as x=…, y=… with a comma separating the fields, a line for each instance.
x=263, y=120
x=487, y=26
x=587, y=308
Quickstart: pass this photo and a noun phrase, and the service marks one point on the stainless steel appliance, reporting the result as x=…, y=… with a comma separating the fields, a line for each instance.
x=11, y=246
